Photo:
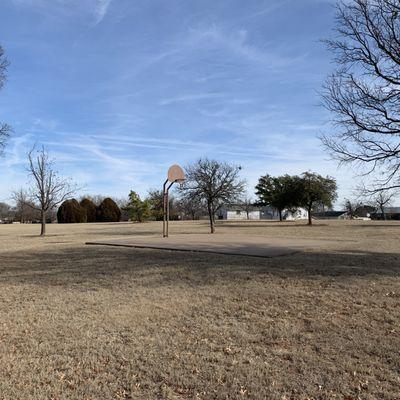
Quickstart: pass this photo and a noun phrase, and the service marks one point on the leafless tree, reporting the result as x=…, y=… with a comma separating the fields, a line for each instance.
x=381, y=200
x=214, y=183
x=377, y=199
x=25, y=209
x=247, y=204
x=48, y=188
x=96, y=198
x=351, y=207
x=364, y=92
x=5, y=129
x=190, y=207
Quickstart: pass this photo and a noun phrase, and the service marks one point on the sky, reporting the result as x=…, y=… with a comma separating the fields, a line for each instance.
x=118, y=90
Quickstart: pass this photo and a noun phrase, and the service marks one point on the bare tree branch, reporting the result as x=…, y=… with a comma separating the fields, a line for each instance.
x=48, y=188
x=214, y=184
x=5, y=129
x=378, y=197
x=364, y=92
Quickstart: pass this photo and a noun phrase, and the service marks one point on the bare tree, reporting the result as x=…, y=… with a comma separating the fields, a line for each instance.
x=5, y=129
x=190, y=206
x=376, y=199
x=48, y=189
x=381, y=200
x=364, y=92
x=247, y=205
x=96, y=198
x=216, y=183
x=24, y=207
x=351, y=207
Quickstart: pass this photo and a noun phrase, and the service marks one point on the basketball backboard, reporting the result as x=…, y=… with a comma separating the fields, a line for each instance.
x=176, y=174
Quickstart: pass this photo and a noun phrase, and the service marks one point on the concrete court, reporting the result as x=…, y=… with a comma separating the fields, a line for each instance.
x=245, y=245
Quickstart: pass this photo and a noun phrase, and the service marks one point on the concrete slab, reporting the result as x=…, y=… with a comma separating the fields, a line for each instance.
x=256, y=246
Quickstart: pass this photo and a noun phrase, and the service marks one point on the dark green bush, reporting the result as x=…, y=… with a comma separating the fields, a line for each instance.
x=90, y=208
x=108, y=211
x=71, y=212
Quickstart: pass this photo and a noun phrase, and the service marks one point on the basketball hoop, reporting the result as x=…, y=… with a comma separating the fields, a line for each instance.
x=175, y=175
x=181, y=183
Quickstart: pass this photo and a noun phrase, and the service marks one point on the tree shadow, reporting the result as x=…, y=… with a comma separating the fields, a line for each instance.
x=277, y=225
x=389, y=225
x=108, y=266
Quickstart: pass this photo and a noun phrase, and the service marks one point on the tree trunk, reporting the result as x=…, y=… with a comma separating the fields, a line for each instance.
x=43, y=223
x=280, y=215
x=309, y=216
x=210, y=215
x=383, y=214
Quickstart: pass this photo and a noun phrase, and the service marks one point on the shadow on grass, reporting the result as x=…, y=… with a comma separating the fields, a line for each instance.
x=295, y=224
x=109, y=266
x=390, y=224
x=274, y=224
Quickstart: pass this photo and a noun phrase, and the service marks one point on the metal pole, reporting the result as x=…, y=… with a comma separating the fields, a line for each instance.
x=167, y=207
x=167, y=202
x=164, y=209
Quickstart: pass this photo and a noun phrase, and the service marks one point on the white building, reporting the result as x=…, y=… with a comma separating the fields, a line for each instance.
x=237, y=213
x=298, y=214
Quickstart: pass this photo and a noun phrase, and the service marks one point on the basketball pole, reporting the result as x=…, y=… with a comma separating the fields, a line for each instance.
x=175, y=174
x=166, y=208
x=165, y=233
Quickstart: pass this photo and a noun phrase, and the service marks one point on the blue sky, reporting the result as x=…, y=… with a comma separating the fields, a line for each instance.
x=118, y=90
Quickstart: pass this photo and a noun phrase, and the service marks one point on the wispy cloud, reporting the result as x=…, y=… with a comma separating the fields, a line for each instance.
x=230, y=80
x=237, y=42
x=100, y=10
x=16, y=151
x=266, y=10
x=190, y=98
x=97, y=9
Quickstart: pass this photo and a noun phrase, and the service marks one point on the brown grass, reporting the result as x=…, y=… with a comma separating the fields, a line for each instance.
x=81, y=322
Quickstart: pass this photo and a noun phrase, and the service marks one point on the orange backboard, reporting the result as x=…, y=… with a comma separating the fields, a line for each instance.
x=176, y=174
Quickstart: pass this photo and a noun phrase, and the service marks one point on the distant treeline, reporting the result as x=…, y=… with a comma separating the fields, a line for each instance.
x=209, y=186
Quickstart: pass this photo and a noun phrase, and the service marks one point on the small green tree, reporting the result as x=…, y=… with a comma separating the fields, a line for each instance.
x=90, y=208
x=5, y=211
x=317, y=190
x=138, y=210
x=155, y=199
x=71, y=212
x=156, y=203
x=279, y=192
x=108, y=211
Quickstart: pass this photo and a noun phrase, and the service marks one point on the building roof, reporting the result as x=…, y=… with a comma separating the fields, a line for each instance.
x=331, y=214
x=241, y=207
x=391, y=210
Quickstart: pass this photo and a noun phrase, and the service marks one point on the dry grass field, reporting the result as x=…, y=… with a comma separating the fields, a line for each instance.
x=93, y=322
